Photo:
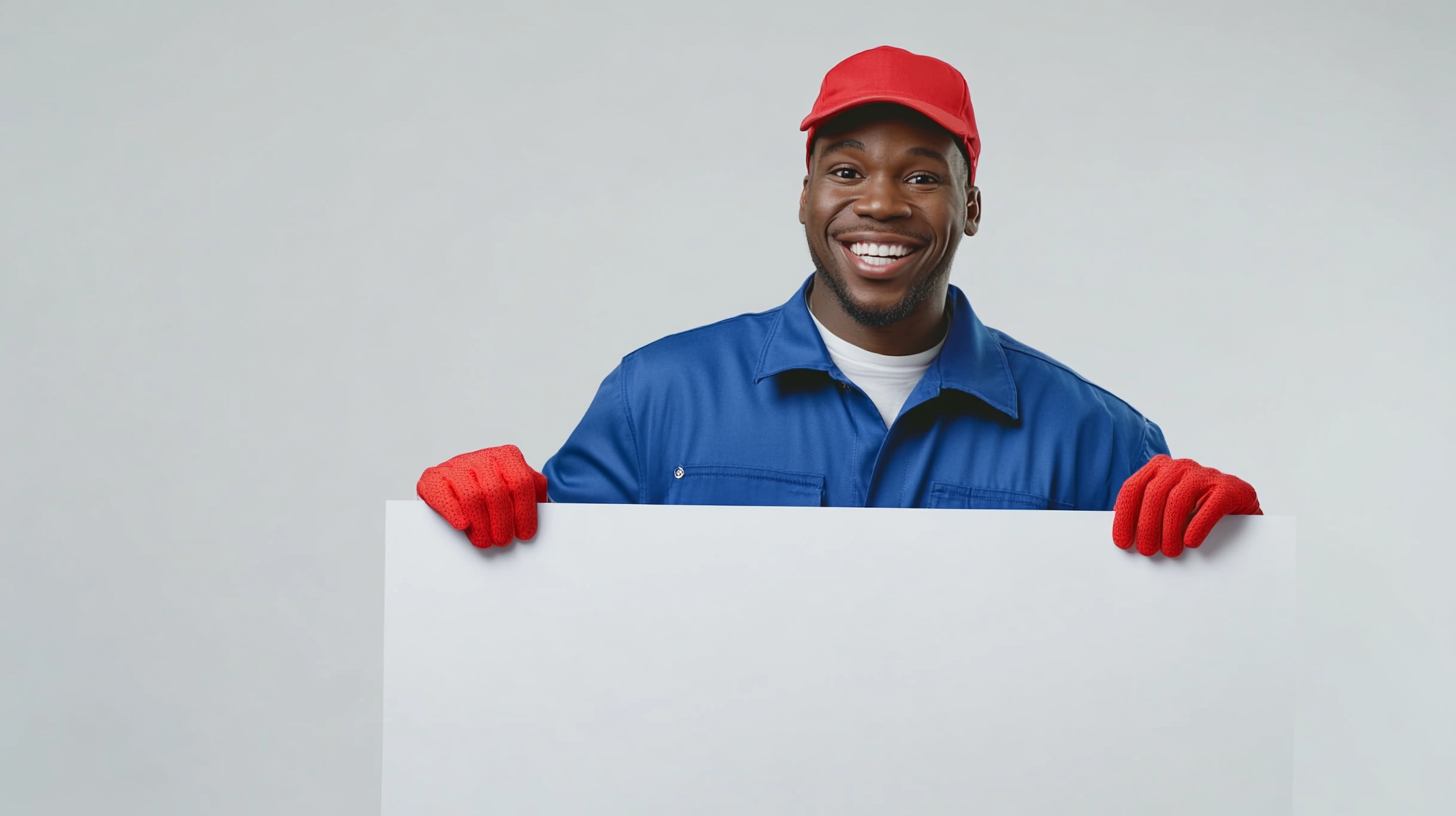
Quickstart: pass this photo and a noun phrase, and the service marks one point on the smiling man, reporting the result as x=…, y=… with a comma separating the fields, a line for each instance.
x=875, y=385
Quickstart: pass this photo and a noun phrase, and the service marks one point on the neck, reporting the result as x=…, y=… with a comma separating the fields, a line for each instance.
x=920, y=331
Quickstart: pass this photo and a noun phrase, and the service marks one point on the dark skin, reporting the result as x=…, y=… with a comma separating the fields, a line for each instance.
x=887, y=183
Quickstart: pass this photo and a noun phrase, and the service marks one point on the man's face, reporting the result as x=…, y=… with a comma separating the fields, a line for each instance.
x=884, y=207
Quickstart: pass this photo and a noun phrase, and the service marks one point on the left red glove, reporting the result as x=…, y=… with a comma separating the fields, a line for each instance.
x=1173, y=503
x=490, y=494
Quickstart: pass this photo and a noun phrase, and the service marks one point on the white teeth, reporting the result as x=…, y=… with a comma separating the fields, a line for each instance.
x=867, y=250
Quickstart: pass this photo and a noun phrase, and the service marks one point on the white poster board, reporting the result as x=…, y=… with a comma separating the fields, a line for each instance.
x=711, y=660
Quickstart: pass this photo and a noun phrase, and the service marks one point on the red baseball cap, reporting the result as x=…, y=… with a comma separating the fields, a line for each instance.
x=888, y=74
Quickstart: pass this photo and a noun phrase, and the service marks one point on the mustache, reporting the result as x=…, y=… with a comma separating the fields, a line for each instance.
x=878, y=227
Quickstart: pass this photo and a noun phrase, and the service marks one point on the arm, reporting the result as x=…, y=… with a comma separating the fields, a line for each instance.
x=601, y=460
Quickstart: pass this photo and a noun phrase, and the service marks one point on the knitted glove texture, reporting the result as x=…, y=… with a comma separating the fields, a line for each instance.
x=1173, y=503
x=490, y=494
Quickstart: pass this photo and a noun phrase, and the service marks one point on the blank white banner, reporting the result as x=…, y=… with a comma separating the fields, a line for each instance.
x=750, y=661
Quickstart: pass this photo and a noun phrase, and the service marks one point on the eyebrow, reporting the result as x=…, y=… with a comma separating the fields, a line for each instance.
x=858, y=145
x=928, y=153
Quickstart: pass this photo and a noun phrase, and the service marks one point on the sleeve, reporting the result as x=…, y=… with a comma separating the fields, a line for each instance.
x=1153, y=444
x=600, y=463
x=1137, y=439
x=1147, y=444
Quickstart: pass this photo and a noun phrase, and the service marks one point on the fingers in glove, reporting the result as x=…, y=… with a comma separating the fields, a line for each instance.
x=472, y=494
x=1183, y=501
x=497, y=496
x=434, y=488
x=517, y=476
x=1130, y=500
x=1155, y=501
x=1230, y=496
x=479, y=535
x=540, y=487
x=1203, y=522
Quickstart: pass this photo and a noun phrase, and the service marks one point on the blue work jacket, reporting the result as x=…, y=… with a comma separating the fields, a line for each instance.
x=752, y=411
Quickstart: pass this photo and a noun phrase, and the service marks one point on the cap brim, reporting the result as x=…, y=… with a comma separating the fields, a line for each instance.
x=940, y=117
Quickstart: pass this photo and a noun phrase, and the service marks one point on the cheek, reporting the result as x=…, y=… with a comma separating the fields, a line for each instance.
x=821, y=209
x=952, y=221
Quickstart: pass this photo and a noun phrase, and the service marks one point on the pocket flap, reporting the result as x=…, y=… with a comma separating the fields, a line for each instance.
x=960, y=497
x=745, y=486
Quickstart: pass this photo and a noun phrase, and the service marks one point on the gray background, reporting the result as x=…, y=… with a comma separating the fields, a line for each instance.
x=261, y=263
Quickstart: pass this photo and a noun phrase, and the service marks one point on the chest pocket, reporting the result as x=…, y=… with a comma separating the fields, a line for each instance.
x=744, y=486
x=960, y=497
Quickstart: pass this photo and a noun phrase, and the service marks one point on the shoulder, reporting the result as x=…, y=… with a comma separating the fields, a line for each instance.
x=705, y=357
x=730, y=337
x=1038, y=371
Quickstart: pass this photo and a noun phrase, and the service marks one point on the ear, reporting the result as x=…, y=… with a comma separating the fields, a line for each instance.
x=804, y=202
x=973, y=209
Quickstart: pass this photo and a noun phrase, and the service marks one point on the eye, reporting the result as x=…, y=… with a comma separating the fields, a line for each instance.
x=844, y=173
x=923, y=178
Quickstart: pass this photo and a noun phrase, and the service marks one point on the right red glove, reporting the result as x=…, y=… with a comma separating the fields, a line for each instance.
x=491, y=494
x=1172, y=503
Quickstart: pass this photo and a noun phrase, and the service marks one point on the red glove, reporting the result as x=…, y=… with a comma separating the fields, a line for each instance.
x=1173, y=503
x=491, y=494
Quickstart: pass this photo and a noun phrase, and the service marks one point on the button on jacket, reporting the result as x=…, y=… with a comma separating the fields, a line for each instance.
x=752, y=411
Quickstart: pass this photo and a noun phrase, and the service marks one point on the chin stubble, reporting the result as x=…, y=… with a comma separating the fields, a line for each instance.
x=890, y=315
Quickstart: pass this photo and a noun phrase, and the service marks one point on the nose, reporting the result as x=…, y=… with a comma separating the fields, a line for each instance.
x=882, y=199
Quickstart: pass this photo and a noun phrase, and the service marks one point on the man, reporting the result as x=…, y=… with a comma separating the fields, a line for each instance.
x=876, y=384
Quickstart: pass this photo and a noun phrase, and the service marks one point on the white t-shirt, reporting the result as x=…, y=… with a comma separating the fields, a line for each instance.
x=886, y=379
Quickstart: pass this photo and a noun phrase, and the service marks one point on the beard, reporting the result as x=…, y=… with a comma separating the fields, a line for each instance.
x=879, y=318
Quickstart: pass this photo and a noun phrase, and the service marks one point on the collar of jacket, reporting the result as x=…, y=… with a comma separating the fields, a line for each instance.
x=972, y=360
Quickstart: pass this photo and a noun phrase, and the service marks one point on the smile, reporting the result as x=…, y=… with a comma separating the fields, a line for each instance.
x=877, y=260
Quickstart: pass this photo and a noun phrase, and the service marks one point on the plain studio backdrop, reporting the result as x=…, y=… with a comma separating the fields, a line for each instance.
x=262, y=263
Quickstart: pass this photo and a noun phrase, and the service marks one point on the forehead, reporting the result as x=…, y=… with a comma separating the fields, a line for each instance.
x=881, y=123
